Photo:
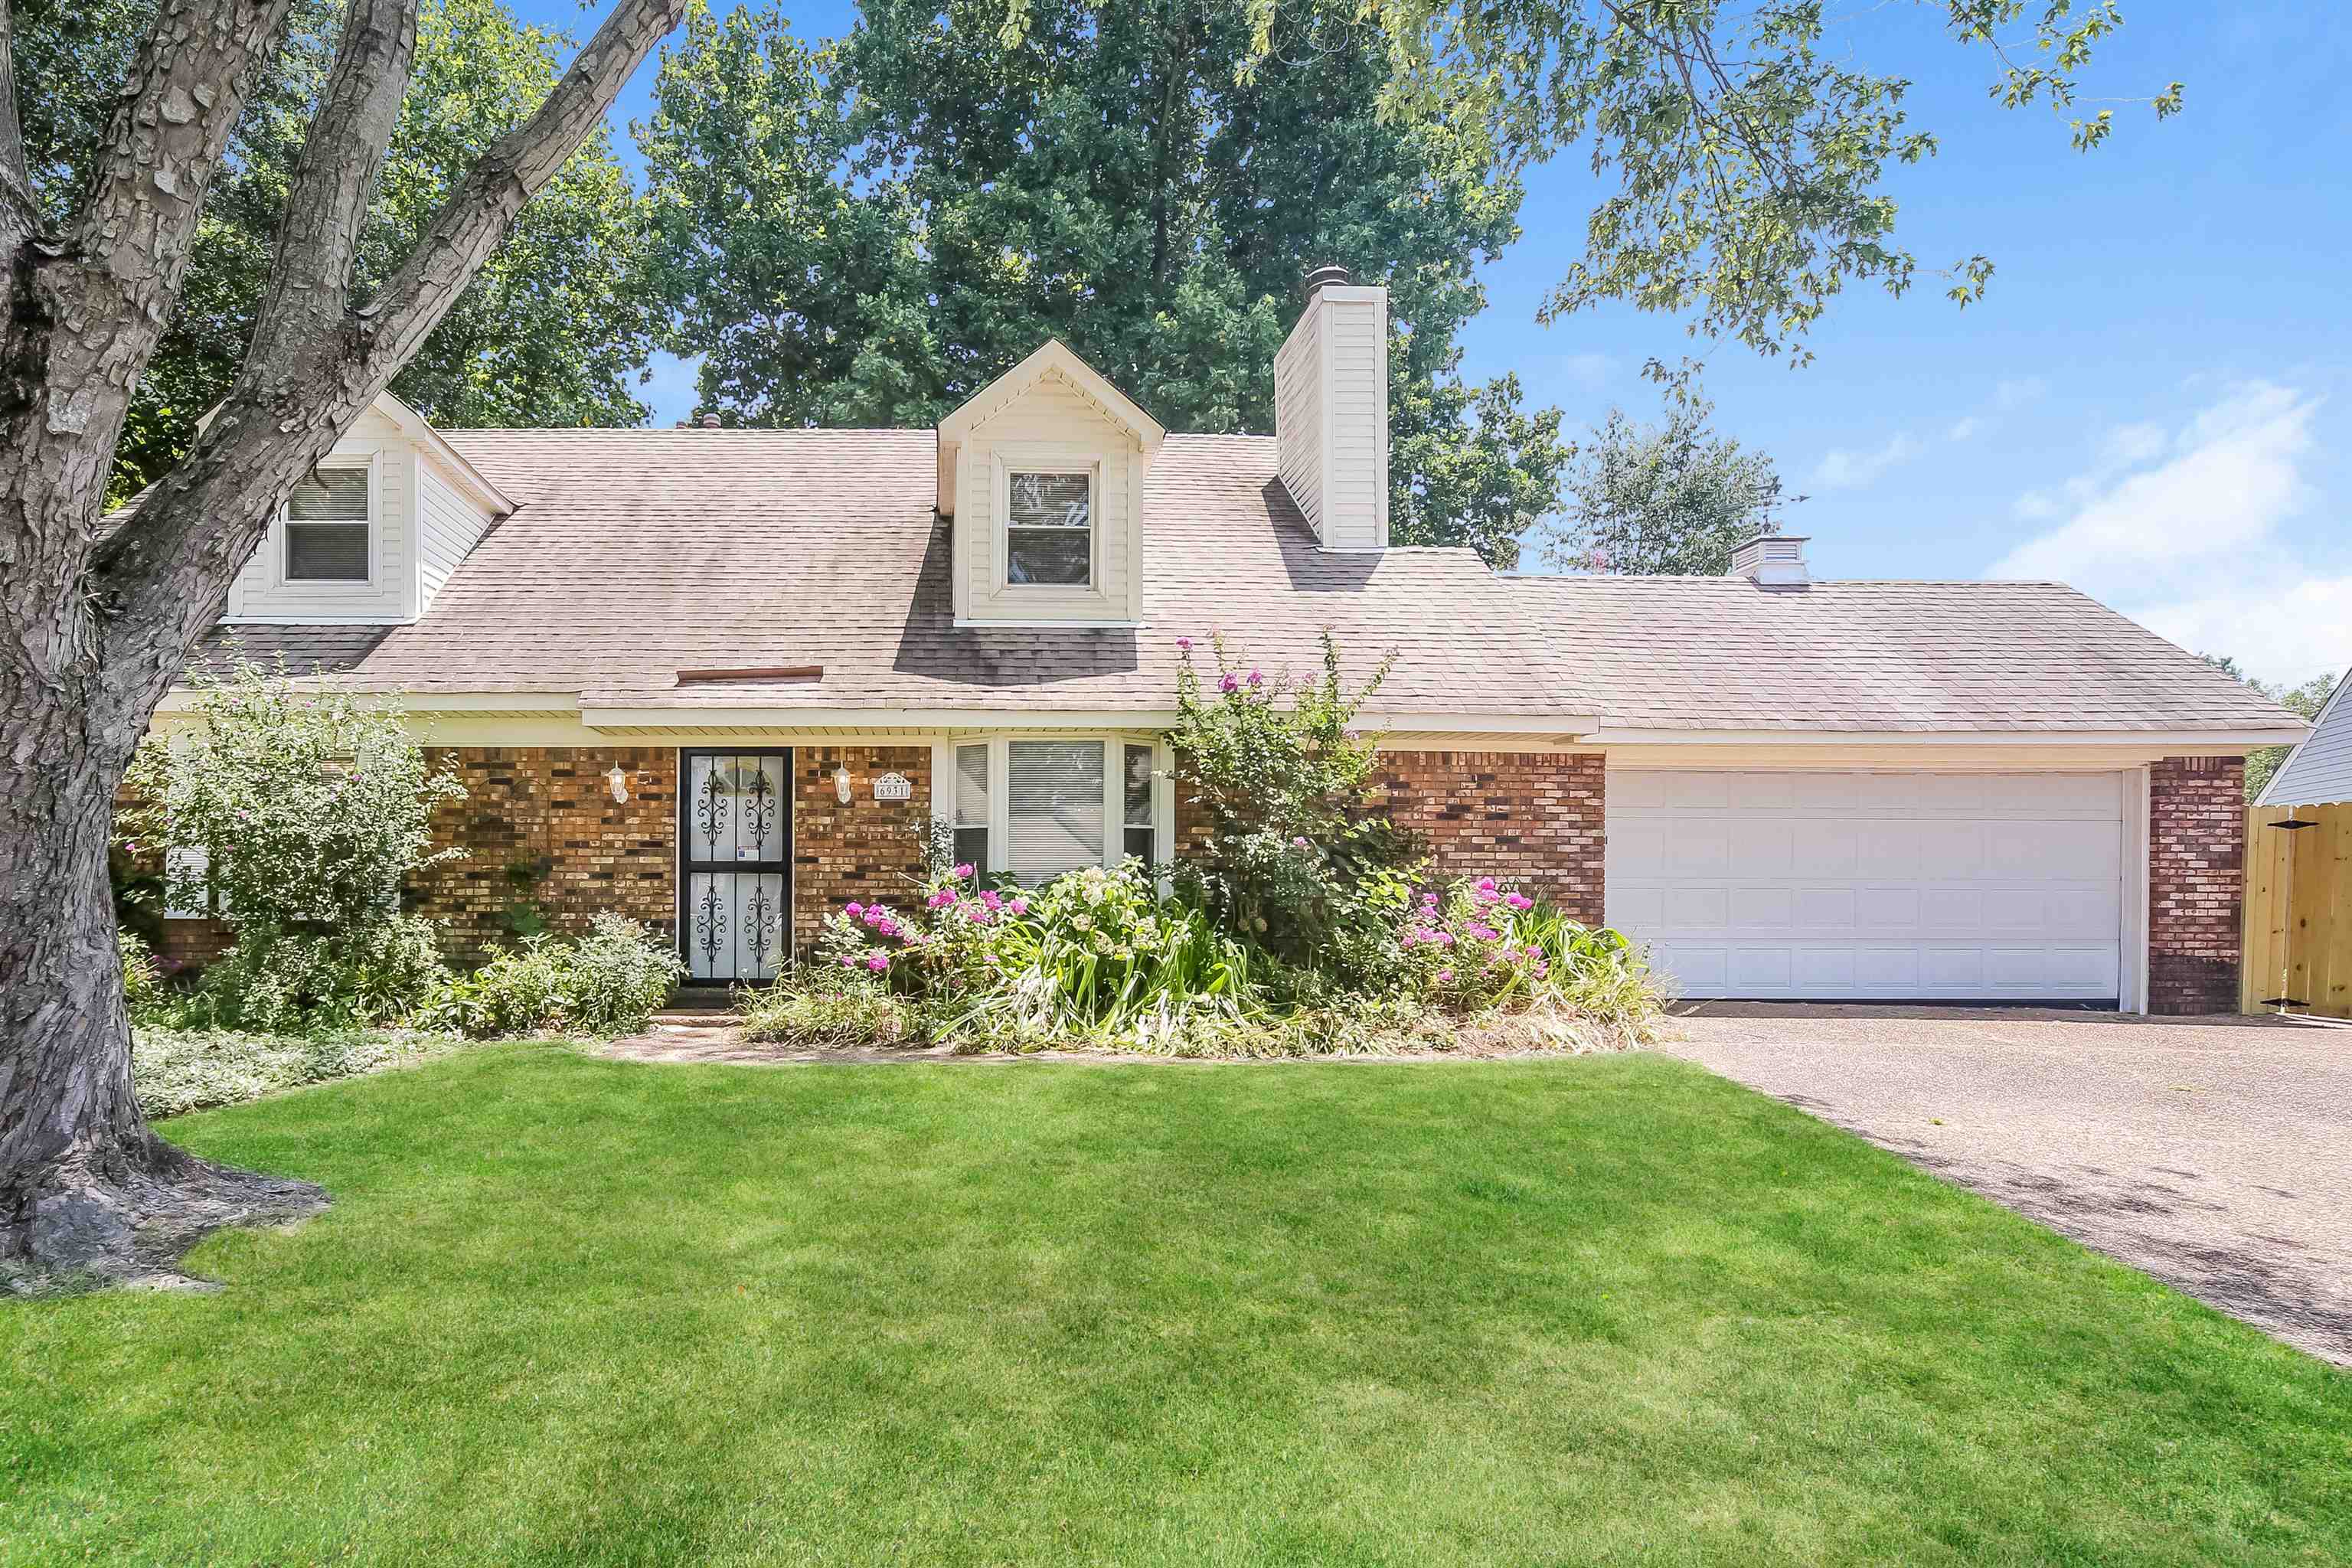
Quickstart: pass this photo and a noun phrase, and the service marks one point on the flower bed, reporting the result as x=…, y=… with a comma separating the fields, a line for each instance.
x=1104, y=959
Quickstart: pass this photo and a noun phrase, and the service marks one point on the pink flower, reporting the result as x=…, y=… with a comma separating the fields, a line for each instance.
x=854, y=909
x=1228, y=684
x=1520, y=902
x=1298, y=842
x=1485, y=884
x=1445, y=939
x=1445, y=977
x=1256, y=679
x=992, y=898
x=886, y=928
x=1020, y=905
x=1407, y=939
x=963, y=872
x=848, y=961
x=878, y=962
x=979, y=915
x=941, y=900
x=1183, y=645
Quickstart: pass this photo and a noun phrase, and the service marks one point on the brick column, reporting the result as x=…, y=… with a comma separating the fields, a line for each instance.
x=2195, y=883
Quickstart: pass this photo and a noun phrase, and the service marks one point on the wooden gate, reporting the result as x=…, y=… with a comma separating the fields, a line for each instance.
x=2298, y=925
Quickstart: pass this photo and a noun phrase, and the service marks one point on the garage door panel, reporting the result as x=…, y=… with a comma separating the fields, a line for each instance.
x=1861, y=884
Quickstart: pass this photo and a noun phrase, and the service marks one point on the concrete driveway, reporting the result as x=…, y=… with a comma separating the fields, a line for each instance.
x=2216, y=1155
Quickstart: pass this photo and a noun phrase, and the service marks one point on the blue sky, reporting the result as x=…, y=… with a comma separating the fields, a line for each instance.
x=2153, y=402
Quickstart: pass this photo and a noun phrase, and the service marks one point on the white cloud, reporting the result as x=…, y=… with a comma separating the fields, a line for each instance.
x=2185, y=533
x=2018, y=393
x=1842, y=469
x=1963, y=428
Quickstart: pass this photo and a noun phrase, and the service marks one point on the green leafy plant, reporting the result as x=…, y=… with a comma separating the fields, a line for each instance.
x=609, y=982
x=1293, y=862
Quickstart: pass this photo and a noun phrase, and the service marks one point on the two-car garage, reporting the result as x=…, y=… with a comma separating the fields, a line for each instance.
x=1841, y=885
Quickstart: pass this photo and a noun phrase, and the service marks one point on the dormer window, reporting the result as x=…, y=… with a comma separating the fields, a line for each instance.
x=1049, y=525
x=331, y=526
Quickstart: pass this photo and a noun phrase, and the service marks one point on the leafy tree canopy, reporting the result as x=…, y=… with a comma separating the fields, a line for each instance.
x=1667, y=498
x=868, y=234
x=2304, y=701
x=1748, y=144
x=555, y=331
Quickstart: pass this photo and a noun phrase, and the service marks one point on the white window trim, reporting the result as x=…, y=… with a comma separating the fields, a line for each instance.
x=280, y=583
x=1048, y=458
x=944, y=784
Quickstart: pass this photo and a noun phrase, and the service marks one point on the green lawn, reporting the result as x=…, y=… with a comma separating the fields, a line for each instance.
x=570, y=1310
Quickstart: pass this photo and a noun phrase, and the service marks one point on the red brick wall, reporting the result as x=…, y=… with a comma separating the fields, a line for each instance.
x=865, y=850
x=1531, y=818
x=539, y=825
x=2195, y=883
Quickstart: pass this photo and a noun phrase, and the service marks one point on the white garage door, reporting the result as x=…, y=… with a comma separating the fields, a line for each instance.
x=1853, y=885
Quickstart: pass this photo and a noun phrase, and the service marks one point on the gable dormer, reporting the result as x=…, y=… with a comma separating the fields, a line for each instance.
x=1042, y=476
x=369, y=535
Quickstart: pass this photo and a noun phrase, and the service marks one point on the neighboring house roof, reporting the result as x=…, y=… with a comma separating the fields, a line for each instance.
x=1689, y=653
x=2318, y=771
x=634, y=554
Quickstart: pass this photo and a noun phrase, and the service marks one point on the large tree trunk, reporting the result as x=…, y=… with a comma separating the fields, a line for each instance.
x=97, y=619
x=88, y=1194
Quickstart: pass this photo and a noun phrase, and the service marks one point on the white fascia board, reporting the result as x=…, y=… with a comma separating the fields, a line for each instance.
x=704, y=715
x=2322, y=725
x=2170, y=742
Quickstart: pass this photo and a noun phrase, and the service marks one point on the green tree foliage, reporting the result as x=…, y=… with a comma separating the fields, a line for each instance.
x=1749, y=143
x=868, y=234
x=555, y=331
x=1667, y=498
x=2304, y=701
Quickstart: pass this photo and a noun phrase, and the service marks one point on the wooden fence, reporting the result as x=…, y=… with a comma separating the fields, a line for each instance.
x=2298, y=925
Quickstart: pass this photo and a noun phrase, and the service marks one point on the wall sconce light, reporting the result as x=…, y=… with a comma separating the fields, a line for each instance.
x=841, y=785
x=619, y=779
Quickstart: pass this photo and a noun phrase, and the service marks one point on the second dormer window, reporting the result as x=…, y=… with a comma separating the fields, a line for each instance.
x=330, y=533
x=1049, y=529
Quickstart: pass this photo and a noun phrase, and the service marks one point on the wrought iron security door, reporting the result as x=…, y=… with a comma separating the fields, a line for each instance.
x=735, y=873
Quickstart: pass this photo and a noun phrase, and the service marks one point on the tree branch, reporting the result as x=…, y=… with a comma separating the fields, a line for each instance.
x=13, y=173
x=164, y=581
x=327, y=203
x=129, y=249
x=474, y=221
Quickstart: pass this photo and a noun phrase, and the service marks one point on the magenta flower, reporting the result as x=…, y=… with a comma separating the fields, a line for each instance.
x=1020, y=905
x=1183, y=645
x=963, y=872
x=979, y=915
x=1520, y=901
x=992, y=898
x=1256, y=679
x=886, y=928
x=854, y=909
x=878, y=962
x=1485, y=884
x=1445, y=977
x=1229, y=685
x=1298, y=842
x=848, y=961
x=941, y=900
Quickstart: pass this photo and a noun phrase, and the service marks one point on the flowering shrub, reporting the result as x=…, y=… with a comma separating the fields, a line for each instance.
x=1293, y=863
x=1467, y=949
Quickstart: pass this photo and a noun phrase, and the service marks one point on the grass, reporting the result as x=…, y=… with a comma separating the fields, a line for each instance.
x=1597, y=1309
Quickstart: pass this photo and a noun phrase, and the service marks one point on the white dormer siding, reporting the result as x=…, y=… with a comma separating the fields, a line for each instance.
x=1331, y=417
x=426, y=508
x=1054, y=420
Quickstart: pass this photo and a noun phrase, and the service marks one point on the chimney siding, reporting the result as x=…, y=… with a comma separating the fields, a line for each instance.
x=1331, y=417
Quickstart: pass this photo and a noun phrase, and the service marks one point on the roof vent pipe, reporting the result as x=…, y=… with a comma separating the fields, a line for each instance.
x=1321, y=278
x=710, y=422
x=1772, y=561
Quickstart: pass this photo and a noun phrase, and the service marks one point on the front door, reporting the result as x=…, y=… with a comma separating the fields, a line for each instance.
x=735, y=838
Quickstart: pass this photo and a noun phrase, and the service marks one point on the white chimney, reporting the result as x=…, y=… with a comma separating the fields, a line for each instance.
x=1772, y=561
x=1331, y=411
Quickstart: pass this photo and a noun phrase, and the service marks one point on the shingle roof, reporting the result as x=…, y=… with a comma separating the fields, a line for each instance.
x=1725, y=653
x=634, y=554
x=306, y=650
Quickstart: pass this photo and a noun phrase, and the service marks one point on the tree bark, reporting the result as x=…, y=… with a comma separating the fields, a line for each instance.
x=98, y=619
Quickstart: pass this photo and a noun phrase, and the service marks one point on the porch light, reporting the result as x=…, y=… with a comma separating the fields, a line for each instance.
x=841, y=785
x=619, y=779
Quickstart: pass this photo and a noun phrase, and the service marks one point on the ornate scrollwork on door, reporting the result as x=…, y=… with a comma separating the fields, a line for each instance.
x=711, y=810
x=759, y=811
x=711, y=923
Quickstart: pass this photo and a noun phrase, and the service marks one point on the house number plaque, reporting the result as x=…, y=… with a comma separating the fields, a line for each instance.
x=893, y=786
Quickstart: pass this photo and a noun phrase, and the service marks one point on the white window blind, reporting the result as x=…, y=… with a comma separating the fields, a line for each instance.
x=972, y=805
x=1054, y=799
x=327, y=528
x=1049, y=529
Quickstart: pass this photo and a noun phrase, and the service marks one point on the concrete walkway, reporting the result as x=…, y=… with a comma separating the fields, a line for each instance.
x=2215, y=1154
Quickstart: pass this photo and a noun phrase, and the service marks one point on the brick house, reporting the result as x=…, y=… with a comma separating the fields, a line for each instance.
x=721, y=679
